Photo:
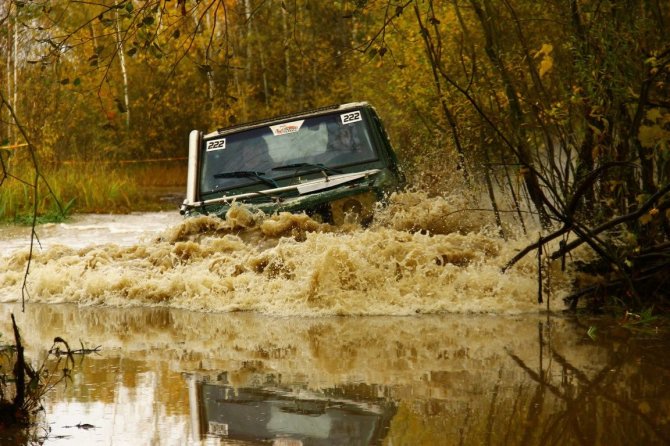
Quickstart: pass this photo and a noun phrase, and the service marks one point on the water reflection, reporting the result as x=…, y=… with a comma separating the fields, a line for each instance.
x=624, y=400
x=176, y=377
x=286, y=415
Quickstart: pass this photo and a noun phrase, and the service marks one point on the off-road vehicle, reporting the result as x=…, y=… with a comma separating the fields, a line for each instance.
x=328, y=162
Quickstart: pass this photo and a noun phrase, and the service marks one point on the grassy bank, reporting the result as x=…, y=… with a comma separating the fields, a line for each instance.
x=90, y=188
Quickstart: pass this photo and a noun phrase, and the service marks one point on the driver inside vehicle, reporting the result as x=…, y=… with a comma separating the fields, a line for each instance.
x=341, y=143
x=341, y=139
x=252, y=155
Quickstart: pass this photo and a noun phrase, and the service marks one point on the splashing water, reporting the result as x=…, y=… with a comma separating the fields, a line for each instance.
x=420, y=255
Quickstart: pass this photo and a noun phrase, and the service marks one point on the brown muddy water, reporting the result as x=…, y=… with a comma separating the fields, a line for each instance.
x=285, y=331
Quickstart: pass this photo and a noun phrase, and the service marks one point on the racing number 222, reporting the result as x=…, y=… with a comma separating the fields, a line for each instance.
x=348, y=118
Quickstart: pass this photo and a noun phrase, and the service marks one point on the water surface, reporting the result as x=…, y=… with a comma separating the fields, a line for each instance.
x=179, y=377
x=283, y=330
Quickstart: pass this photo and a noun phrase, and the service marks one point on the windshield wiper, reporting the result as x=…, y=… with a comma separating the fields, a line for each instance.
x=301, y=166
x=246, y=174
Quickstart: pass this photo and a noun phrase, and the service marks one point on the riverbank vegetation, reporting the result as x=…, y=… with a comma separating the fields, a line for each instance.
x=92, y=188
x=561, y=107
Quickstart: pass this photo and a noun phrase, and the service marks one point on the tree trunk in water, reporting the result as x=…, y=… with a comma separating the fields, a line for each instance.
x=19, y=369
x=516, y=113
x=433, y=57
x=515, y=197
x=489, y=185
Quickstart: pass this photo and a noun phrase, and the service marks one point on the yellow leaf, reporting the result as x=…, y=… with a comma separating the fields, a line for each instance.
x=645, y=219
x=651, y=135
x=641, y=198
x=654, y=114
x=546, y=64
x=545, y=50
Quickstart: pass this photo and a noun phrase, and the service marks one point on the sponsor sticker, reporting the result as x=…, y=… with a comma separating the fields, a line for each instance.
x=217, y=144
x=216, y=428
x=286, y=128
x=351, y=117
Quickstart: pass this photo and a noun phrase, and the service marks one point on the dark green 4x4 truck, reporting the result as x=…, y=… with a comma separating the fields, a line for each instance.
x=329, y=162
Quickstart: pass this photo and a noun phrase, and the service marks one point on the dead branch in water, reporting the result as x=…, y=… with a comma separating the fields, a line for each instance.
x=634, y=271
x=30, y=384
x=631, y=270
x=56, y=351
x=569, y=223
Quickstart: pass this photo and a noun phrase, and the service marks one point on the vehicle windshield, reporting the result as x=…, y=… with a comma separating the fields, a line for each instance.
x=266, y=153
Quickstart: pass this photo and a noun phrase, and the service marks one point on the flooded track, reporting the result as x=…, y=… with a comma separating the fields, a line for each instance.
x=287, y=331
x=419, y=256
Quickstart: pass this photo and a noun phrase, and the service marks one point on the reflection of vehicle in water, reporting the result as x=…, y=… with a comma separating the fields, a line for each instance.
x=280, y=416
x=329, y=161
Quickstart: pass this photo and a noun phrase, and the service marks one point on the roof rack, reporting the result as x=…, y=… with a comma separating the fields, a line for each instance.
x=305, y=113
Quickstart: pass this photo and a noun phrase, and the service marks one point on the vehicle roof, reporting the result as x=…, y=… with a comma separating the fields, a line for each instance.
x=278, y=119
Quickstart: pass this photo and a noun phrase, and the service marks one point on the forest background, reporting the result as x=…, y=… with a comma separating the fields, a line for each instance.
x=558, y=107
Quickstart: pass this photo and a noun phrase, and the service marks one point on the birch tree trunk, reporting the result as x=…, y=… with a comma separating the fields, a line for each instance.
x=211, y=88
x=12, y=72
x=16, y=65
x=248, y=52
x=264, y=75
x=287, y=55
x=122, y=62
x=9, y=83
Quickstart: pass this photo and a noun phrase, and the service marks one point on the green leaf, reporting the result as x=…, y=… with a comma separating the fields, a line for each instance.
x=76, y=82
x=148, y=20
x=129, y=7
x=592, y=332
